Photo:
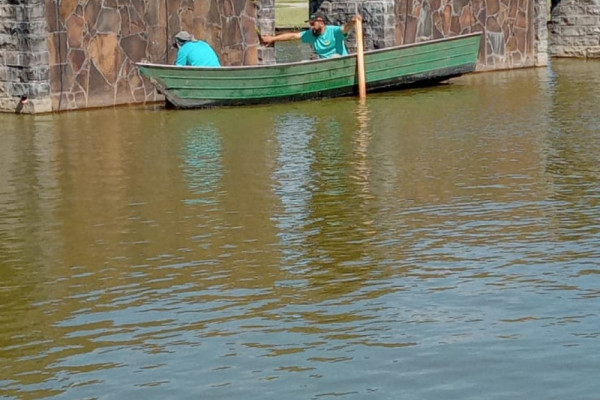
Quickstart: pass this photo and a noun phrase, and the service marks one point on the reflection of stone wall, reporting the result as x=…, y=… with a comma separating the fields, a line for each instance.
x=94, y=45
x=515, y=30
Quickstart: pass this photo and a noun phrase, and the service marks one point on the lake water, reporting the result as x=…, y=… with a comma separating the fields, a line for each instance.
x=437, y=243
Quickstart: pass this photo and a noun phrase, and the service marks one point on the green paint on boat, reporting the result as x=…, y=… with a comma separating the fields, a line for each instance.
x=386, y=69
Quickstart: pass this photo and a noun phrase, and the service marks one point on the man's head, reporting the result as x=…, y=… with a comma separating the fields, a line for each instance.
x=317, y=22
x=182, y=38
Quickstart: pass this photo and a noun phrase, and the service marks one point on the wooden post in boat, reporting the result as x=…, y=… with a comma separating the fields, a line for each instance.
x=360, y=60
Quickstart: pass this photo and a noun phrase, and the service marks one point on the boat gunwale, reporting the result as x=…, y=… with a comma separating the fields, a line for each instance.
x=338, y=67
x=178, y=87
x=304, y=62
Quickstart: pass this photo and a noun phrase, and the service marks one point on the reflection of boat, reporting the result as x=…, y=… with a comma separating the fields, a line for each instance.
x=386, y=69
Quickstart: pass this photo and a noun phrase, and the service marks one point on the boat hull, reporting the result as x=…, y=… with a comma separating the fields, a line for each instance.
x=386, y=69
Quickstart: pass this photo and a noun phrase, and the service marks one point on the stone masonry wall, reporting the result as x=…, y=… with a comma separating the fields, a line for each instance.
x=265, y=19
x=24, y=72
x=515, y=34
x=575, y=29
x=379, y=20
x=95, y=44
x=540, y=29
x=73, y=54
x=508, y=27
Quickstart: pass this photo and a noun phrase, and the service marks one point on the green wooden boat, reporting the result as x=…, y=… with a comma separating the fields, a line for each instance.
x=386, y=69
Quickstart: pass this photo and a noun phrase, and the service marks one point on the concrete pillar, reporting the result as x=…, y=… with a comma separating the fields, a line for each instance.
x=379, y=27
x=24, y=58
x=266, y=25
x=575, y=29
x=541, y=12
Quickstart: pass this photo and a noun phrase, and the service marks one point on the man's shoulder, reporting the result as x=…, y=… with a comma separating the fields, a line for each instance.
x=335, y=31
x=199, y=44
x=307, y=36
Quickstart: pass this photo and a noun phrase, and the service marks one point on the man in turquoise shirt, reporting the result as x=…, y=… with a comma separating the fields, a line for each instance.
x=327, y=40
x=194, y=52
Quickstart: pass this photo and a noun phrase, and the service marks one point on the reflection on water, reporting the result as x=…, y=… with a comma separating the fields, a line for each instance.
x=434, y=243
x=203, y=158
x=293, y=184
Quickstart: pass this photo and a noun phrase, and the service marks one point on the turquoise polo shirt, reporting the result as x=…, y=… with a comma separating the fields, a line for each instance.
x=330, y=43
x=197, y=54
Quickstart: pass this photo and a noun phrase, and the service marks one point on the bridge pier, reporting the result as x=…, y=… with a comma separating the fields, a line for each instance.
x=515, y=32
x=575, y=29
x=66, y=55
x=24, y=57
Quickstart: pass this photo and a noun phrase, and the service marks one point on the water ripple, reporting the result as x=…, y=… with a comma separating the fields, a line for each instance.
x=434, y=243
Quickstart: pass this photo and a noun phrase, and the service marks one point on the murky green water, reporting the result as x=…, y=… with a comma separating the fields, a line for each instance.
x=440, y=243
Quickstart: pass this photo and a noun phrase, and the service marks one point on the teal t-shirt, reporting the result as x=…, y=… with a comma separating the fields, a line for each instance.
x=330, y=43
x=197, y=54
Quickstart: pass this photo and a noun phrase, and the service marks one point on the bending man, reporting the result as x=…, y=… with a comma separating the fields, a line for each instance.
x=194, y=52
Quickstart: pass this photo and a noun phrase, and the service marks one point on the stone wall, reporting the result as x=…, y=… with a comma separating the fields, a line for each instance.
x=379, y=16
x=266, y=25
x=24, y=72
x=73, y=54
x=95, y=44
x=508, y=26
x=540, y=28
x=575, y=29
x=515, y=33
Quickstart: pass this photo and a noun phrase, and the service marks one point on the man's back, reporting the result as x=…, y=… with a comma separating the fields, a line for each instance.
x=198, y=54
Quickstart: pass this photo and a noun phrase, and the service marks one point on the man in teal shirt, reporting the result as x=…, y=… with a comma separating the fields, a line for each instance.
x=326, y=40
x=194, y=52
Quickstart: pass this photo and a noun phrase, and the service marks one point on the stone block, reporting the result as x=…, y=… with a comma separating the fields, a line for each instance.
x=109, y=20
x=11, y=58
x=577, y=31
x=566, y=51
x=33, y=11
x=33, y=106
x=5, y=74
x=8, y=42
x=593, y=52
x=560, y=40
x=10, y=12
x=32, y=59
x=541, y=59
x=568, y=9
x=588, y=41
x=267, y=26
x=267, y=14
x=266, y=56
x=6, y=26
x=31, y=89
x=542, y=45
x=37, y=74
x=581, y=20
